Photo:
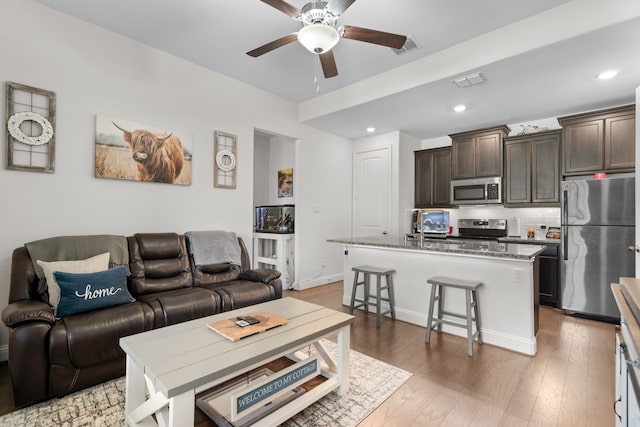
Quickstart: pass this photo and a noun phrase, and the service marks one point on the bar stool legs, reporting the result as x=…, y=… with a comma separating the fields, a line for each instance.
x=438, y=286
x=376, y=299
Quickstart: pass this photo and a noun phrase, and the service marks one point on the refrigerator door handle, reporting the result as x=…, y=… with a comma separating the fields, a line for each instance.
x=565, y=217
x=565, y=208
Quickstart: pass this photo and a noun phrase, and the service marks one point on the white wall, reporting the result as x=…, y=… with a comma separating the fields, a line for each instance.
x=260, y=169
x=282, y=155
x=323, y=206
x=406, y=182
x=93, y=71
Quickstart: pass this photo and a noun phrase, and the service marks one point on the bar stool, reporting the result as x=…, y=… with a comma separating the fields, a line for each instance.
x=376, y=299
x=438, y=287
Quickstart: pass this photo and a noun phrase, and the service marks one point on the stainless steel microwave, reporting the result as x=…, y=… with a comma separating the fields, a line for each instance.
x=477, y=191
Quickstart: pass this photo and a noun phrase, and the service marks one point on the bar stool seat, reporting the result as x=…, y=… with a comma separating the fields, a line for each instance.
x=376, y=299
x=470, y=287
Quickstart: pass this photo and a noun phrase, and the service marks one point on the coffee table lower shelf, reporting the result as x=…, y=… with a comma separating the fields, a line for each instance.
x=217, y=403
x=213, y=406
x=161, y=388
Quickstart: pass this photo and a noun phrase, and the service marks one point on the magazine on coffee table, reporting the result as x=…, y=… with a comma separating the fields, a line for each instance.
x=246, y=325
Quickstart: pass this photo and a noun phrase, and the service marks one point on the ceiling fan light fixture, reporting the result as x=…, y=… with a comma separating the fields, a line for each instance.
x=318, y=38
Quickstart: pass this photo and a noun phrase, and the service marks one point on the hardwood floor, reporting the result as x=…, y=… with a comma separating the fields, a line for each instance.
x=570, y=382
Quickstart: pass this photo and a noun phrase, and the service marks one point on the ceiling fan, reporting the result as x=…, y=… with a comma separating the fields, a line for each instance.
x=319, y=33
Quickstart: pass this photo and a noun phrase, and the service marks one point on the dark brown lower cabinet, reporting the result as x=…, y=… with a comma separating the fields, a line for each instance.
x=549, y=262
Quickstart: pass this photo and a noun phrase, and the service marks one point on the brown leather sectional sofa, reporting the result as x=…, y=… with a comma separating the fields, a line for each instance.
x=52, y=357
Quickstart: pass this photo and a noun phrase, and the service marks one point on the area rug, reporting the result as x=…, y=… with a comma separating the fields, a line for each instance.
x=372, y=382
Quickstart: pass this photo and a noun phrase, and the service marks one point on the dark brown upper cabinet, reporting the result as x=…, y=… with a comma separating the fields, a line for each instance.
x=599, y=141
x=477, y=153
x=432, y=178
x=532, y=169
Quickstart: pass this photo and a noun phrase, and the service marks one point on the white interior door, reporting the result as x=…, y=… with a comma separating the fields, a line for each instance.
x=371, y=192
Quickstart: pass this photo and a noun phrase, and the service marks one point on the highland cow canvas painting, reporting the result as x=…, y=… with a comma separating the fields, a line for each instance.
x=128, y=150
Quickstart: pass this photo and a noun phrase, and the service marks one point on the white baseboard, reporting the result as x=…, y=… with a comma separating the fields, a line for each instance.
x=298, y=286
x=4, y=353
x=500, y=339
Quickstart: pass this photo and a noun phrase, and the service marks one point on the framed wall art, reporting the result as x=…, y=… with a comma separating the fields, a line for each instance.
x=31, y=120
x=225, y=162
x=285, y=183
x=129, y=150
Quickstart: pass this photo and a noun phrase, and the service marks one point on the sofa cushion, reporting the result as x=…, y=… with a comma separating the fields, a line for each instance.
x=241, y=293
x=89, y=265
x=214, y=268
x=91, y=338
x=91, y=291
x=159, y=245
x=181, y=305
x=158, y=263
x=205, y=276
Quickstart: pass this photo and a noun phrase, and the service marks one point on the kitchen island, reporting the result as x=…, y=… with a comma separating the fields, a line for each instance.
x=509, y=272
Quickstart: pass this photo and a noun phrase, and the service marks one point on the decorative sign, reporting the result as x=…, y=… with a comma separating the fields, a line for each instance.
x=284, y=380
x=224, y=167
x=31, y=114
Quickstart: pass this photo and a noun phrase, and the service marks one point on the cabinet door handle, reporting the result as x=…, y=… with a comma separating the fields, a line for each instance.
x=635, y=248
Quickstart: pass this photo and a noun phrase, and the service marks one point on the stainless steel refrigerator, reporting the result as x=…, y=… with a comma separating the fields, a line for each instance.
x=598, y=226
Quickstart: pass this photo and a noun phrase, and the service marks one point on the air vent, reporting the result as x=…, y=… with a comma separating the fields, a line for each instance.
x=468, y=80
x=410, y=44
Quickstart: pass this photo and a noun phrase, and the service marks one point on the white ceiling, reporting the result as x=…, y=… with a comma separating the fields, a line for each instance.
x=539, y=57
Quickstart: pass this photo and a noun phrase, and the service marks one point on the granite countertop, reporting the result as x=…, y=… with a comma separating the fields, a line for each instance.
x=536, y=241
x=457, y=246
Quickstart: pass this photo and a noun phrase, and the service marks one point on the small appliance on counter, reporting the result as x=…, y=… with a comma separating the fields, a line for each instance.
x=275, y=219
x=513, y=227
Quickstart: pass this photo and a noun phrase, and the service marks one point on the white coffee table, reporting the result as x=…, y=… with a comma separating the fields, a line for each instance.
x=167, y=367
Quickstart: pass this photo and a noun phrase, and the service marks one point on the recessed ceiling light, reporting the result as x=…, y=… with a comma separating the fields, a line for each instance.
x=605, y=75
x=371, y=129
x=459, y=108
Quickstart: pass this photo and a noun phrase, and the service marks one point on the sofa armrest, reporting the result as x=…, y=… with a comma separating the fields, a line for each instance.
x=263, y=275
x=27, y=311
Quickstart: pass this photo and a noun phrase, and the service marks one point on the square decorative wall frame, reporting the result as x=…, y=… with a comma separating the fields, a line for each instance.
x=225, y=162
x=31, y=118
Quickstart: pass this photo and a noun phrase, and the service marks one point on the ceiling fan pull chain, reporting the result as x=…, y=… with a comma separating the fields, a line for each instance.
x=316, y=80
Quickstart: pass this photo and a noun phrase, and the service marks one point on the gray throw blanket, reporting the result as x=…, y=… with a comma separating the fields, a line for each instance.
x=214, y=247
x=69, y=248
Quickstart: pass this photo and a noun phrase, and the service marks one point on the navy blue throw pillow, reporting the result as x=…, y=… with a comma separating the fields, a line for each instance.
x=91, y=291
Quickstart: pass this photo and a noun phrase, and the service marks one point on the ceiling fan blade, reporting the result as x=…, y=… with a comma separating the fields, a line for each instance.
x=328, y=62
x=339, y=6
x=282, y=41
x=283, y=7
x=394, y=41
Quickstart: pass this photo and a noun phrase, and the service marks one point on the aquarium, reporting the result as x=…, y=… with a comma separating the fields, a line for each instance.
x=435, y=222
